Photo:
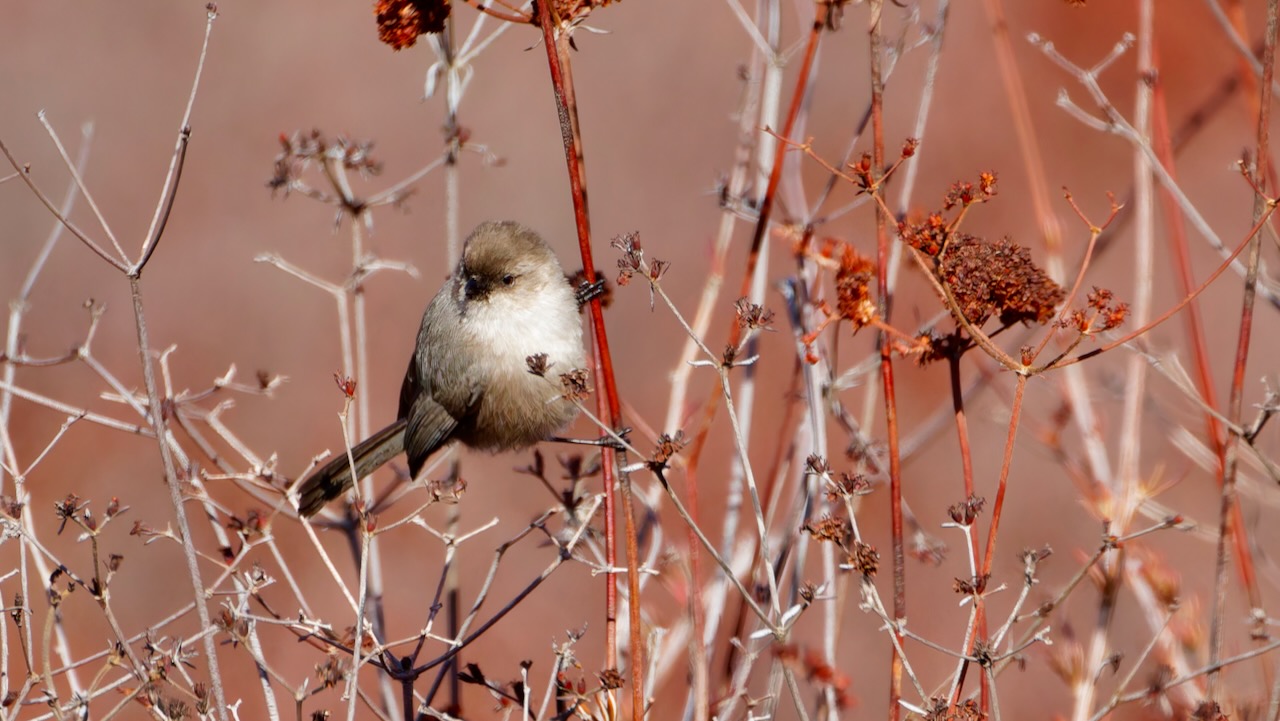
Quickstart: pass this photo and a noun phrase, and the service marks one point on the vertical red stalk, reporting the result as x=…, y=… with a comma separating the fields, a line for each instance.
x=608, y=408
x=886, y=361
x=1015, y=412
x=821, y=13
x=979, y=627
x=1162, y=142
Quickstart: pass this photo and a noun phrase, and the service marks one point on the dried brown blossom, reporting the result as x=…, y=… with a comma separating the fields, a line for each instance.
x=611, y=678
x=330, y=672
x=752, y=316
x=966, y=512
x=861, y=171
x=668, y=447
x=847, y=486
x=828, y=528
x=1103, y=313
x=632, y=256
x=853, y=288
x=400, y=22
x=808, y=591
x=538, y=364
x=302, y=149
x=1209, y=711
x=865, y=559
x=998, y=279
x=928, y=236
x=574, y=384
x=963, y=194
x=971, y=586
x=967, y=710
x=816, y=464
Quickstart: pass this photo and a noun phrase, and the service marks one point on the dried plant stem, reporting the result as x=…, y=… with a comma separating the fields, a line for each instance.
x=886, y=365
x=1262, y=206
x=1033, y=161
x=555, y=37
x=155, y=416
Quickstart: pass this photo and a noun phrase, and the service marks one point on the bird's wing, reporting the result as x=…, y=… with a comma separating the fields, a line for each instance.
x=429, y=427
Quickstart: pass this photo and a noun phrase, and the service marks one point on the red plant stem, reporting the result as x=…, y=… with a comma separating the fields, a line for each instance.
x=1014, y=413
x=1228, y=525
x=1162, y=142
x=556, y=42
x=886, y=363
x=821, y=14
x=979, y=627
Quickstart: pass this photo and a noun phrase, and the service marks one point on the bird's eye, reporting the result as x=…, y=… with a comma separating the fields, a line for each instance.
x=508, y=279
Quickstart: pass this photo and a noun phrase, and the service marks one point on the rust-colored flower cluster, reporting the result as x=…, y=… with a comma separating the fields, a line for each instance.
x=853, y=288
x=829, y=528
x=997, y=279
x=1103, y=313
x=967, y=710
x=400, y=22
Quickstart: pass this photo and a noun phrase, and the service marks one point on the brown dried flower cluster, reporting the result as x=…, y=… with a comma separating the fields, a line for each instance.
x=967, y=710
x=865, y=559
x=574, y=384
x=400, y=22
x=829, y=528
x=1104, y=313
x=301, y=149
x=853, y=288
x=998, y=279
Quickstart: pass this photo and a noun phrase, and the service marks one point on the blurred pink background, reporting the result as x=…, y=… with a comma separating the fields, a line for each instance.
x=657, y=93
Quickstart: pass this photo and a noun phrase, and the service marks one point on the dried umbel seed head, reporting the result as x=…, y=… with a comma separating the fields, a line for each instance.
x=400, y=22
x=611, y=678
x=853, y=288
x=538, y=364
x=928, y=236
x=966, y=513
x=865, y=559
x=752, y=316
x=632, y=256
x=828, y=528
x=998, y=279
x=668, y=447
x=574, y=384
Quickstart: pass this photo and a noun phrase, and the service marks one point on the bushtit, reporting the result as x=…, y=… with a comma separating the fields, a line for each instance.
x=468, y=379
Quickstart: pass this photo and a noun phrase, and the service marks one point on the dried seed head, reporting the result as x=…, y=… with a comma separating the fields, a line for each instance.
x=538, y=364
x=998, y=279
x=400, y=22
x=828, y=528
x=928, y=236
x=853, y=288
x=865, y=559
x=752, y=316
x=611, y=678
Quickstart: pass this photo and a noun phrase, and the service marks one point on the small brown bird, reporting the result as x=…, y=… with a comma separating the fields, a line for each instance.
x=468, y=379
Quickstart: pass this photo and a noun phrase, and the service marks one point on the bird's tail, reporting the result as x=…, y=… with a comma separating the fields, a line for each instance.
x=334, y=478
